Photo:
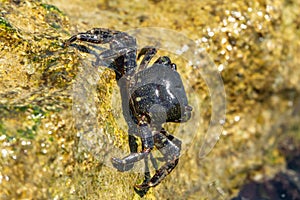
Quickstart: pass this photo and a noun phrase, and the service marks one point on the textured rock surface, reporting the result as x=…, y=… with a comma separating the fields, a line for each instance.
x=254, y=44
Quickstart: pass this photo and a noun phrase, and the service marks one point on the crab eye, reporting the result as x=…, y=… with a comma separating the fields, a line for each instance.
x=174, y=66
x=165, y=60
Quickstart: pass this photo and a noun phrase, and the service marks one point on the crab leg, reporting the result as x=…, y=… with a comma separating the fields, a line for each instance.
x=148, y=53
x=127, y=162
x=132, y=128
x=96, y=35
x=171, y=152
x=159, y=175
x=148, y=143
x=123, y=45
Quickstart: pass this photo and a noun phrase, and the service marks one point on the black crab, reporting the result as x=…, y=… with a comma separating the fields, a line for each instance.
x=151, y=96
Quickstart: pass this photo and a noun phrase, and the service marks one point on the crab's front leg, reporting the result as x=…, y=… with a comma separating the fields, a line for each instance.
x=96, y=36
x=121, y=45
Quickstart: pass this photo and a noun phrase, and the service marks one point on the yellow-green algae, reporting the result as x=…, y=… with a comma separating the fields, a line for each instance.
x=255, y=45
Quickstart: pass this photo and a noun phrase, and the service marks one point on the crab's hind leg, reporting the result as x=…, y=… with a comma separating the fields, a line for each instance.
x=127, y=162
x=170, y=147
x=147, y=175
x=159, y=175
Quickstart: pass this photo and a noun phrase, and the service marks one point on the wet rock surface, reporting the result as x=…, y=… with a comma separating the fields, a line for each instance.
x=255, y=47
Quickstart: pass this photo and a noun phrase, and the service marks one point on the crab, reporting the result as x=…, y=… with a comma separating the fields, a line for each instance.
x=151, y=96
